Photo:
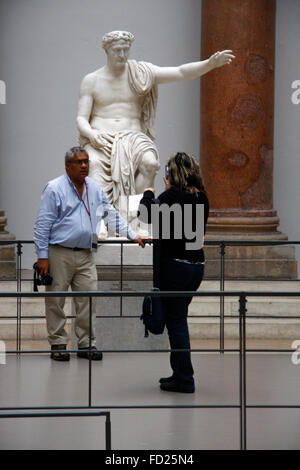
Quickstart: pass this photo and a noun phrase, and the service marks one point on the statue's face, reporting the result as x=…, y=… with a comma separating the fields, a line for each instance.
x=118, y=52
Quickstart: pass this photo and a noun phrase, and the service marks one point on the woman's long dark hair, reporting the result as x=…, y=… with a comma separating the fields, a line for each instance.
x=184, y=173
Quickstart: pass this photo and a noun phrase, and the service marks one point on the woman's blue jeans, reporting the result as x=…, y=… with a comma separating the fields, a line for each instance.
x=179, y=276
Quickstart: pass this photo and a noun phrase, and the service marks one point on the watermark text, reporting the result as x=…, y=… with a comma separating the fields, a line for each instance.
x=296, y=354
x=2, y=92
x=2, y=352
x=296, y=94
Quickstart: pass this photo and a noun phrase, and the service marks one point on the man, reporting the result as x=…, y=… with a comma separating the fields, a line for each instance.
x=116, y=114
x=65, y=231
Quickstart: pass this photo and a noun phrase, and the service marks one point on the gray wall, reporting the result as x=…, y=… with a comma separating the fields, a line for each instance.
x=46, y=47
x=287, y=120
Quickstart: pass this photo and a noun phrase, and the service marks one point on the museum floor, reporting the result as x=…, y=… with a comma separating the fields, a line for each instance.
x=131, y=379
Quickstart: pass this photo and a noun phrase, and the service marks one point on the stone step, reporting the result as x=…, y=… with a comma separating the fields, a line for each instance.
x=209, y=328
x=255, y=329
x=30, y=329
x=199, y=327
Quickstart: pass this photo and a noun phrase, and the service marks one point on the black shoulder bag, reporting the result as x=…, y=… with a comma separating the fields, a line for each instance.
x=153, y=315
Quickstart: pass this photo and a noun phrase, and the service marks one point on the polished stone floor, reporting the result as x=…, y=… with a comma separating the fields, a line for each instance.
x=131, y=379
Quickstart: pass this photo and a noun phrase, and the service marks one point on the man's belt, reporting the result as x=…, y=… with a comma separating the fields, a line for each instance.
x=68, y=247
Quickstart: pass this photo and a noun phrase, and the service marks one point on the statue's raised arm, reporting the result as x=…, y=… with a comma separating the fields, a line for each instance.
x=192, y=70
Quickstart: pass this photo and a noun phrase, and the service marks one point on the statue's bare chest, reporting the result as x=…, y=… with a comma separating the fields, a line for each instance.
x=117, y=90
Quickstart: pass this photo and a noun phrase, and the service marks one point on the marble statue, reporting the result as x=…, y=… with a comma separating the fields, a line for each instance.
x=116, y=115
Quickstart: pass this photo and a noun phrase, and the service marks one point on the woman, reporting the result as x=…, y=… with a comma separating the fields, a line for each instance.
x=181, y=263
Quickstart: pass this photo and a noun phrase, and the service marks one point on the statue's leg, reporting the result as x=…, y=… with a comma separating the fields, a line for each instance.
x=101, y=173
x=100, y=170
x=147, y=169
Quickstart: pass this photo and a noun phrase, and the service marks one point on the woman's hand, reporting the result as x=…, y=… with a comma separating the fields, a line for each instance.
x=167, y=184
x=150, y=189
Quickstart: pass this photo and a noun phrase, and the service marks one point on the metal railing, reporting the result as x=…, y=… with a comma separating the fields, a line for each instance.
x=222, y=244
x=66, y=414
x=242, y=350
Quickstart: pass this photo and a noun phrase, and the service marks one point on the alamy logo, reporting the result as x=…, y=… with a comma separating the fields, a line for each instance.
x=2, y=92
x=2, y=352
x=165, y=222
x=296, y=94
x=173, y=218
x=296, y=354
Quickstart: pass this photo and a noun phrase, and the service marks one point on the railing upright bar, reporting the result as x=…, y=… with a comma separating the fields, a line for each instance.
x=242, y=371
x=19, y=299
x=222, y=286
x=121, y=281
x=108, y=432
x=90, y=346
x=245, y=374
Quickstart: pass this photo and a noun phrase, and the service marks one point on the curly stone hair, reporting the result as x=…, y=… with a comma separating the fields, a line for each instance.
x=113, y=36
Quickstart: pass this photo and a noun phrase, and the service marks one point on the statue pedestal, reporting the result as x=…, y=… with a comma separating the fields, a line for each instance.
x=120, y=332
x=7, y=252
x=255, y=262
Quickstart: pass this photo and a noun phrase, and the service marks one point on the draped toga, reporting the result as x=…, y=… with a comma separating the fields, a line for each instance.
x=116, y=163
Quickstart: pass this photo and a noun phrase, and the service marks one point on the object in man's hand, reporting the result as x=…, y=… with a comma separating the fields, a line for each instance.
x=40, y=280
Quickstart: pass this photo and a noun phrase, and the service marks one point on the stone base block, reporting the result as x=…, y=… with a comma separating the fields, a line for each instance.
x=7, y=269
x=7, y=261
x=256, y=262
x=7, y=252
x=117, y=330
x=133, y=255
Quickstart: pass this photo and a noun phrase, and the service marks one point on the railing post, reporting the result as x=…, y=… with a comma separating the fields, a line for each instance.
x=108, y=432
x=222, y=285
x=242, y=369
x=19, y=299
x=121, y=280
x=90, y=352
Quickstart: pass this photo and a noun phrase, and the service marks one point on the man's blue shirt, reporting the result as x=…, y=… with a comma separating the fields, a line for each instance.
x=63, y=219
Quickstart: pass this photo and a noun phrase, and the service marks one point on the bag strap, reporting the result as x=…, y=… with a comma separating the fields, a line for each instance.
x=156, y=257
x=35, y=278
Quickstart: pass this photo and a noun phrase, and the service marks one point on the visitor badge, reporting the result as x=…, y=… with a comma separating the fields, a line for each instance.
x=94, y=242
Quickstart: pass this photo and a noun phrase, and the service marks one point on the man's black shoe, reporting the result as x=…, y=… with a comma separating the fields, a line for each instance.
x=175, y=386
x=164, y=380
x=57, y=353
x=92, y=354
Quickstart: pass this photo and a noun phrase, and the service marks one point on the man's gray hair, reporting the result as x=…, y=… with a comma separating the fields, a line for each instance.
x=113, y=36
x=72, y=152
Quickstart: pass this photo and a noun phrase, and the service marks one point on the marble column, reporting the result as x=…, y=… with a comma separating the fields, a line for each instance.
x=7, y=252
x=237, y=120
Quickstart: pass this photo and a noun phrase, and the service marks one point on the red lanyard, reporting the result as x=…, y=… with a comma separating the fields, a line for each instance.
x=87, y=196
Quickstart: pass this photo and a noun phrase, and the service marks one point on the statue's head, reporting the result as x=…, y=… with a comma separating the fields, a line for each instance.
x=116, y=36
x=117, y=45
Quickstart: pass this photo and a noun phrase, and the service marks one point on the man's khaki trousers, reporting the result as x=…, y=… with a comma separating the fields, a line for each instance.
x=78, y=270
